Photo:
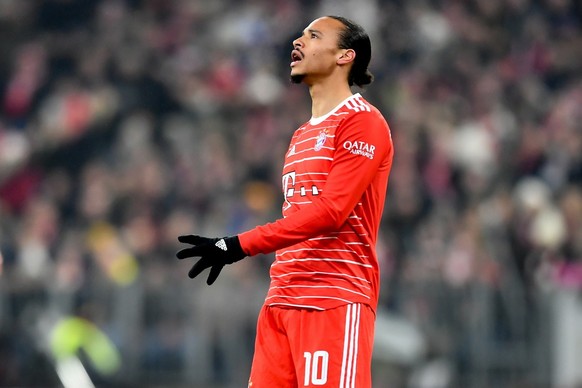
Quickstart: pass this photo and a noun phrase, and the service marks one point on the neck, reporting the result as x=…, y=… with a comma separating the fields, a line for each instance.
x=326, y=96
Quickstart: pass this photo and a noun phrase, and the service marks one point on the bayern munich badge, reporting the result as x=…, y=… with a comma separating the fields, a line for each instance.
x=320, y=140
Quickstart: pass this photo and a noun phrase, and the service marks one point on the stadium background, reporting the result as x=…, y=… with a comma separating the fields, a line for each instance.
x=126, y=123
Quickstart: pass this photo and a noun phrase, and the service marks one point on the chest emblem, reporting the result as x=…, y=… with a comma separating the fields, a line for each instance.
x=320, y=141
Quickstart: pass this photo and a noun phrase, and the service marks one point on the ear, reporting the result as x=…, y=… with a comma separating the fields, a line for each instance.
x=346, y=56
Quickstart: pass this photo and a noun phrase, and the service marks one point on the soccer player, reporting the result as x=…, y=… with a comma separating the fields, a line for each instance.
x=316, y=327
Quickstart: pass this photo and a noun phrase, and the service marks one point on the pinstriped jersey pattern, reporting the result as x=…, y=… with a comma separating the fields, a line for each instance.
x=338, y=267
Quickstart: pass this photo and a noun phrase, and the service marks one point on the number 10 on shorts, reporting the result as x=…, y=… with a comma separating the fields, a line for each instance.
x=316, y=365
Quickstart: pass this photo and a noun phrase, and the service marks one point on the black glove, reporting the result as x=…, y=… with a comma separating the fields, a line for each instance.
x=214, y=253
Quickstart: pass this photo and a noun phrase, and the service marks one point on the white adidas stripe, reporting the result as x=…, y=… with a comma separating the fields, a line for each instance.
x=352, y=106
x=359, y=101
x=350, y=354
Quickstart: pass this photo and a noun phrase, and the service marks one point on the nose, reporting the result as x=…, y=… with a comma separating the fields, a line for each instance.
x=298, y=43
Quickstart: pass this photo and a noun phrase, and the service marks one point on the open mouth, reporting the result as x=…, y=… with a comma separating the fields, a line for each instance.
x=296, y=56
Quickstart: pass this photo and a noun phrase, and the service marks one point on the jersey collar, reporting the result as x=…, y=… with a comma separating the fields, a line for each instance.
x=320, y=119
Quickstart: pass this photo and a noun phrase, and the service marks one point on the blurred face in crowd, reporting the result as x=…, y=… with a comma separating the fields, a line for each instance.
x=316, y=54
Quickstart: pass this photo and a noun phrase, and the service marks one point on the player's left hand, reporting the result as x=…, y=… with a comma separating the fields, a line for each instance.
x=214, y=253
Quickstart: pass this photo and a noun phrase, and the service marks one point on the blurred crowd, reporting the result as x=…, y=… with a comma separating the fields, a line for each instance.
x=125, y=123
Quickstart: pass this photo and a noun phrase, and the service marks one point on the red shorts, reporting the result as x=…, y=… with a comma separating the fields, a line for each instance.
x=310, y=348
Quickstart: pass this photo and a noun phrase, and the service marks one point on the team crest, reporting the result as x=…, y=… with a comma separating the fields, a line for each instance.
x=320, y=140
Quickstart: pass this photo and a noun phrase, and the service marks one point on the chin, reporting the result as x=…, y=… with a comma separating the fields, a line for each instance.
x=297, y=78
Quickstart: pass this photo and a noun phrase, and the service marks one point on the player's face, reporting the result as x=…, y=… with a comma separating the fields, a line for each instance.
x=315, y=52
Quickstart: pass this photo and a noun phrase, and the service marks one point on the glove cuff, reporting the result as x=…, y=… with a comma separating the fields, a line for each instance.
x=234, y=248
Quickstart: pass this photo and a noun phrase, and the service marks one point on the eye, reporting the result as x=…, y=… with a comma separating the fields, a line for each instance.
x=314, y=36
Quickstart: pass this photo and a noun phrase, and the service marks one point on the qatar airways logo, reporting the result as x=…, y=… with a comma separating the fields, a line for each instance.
x=360, y=148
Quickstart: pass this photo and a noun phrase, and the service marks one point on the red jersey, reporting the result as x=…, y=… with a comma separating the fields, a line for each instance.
x=334, y=186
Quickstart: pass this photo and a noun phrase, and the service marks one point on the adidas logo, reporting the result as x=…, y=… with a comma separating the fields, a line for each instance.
x=221, y=244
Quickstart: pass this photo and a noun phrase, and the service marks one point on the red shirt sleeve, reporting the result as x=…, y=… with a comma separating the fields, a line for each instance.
x=351, y=173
